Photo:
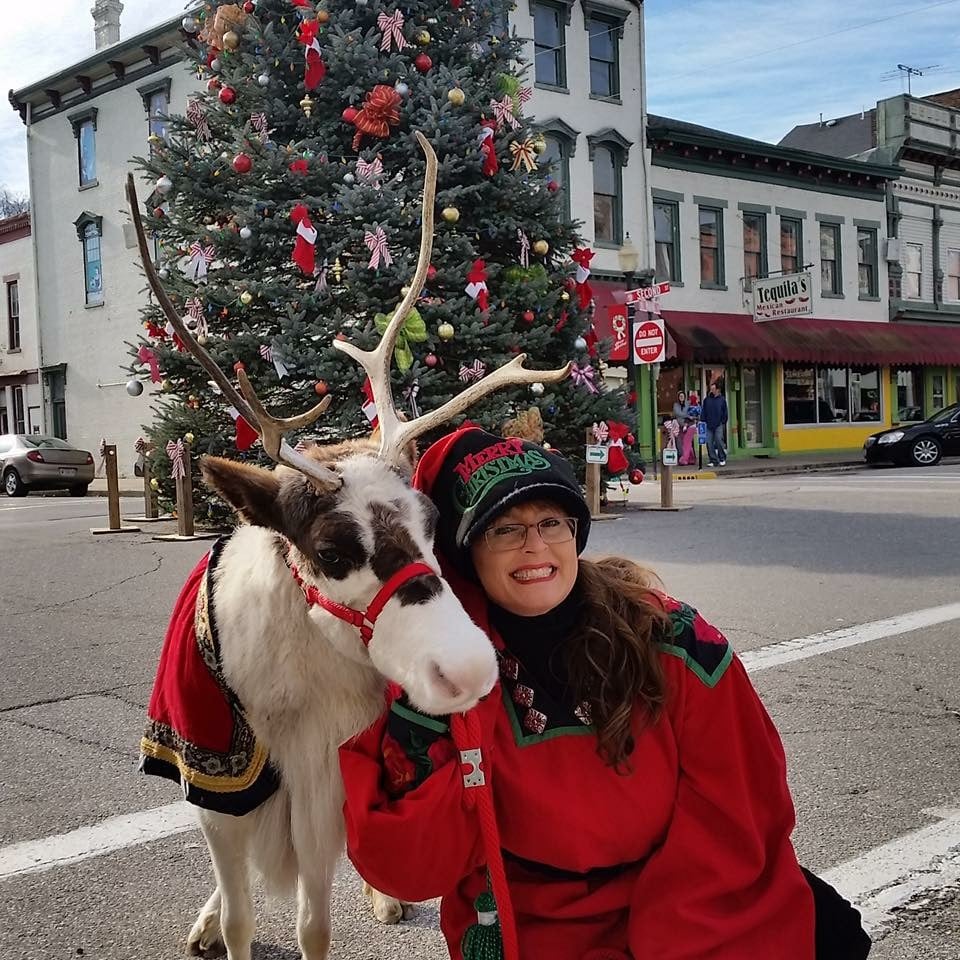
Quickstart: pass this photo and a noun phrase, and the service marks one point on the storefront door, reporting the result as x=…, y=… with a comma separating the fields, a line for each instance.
x=752, y=384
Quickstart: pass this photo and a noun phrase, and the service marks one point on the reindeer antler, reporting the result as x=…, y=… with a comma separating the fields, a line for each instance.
x=271, y=429
x=395, y=433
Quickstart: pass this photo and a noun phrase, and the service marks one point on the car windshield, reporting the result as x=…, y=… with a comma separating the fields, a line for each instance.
x=45, y=443
x=948, y=413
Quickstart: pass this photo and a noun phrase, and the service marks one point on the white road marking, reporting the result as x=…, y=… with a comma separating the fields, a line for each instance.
x=128, y=830
x=892, y=875
x=789, y=651
x=116, y=833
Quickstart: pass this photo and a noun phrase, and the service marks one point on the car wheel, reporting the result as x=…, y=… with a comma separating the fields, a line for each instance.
x=926, y=452
x=12, y=484
x=80, y=490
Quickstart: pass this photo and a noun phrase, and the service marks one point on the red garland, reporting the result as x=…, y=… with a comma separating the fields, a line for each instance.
x=380, y=111
x=316, y=69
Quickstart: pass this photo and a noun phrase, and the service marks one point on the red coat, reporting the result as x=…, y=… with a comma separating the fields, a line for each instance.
x=688, y=857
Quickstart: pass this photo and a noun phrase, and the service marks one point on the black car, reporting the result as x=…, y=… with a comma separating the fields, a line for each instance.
x=919, y=444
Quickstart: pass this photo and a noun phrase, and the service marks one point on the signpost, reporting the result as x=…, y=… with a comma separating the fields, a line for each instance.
x=649, y=341
x=790, y=295
x=598, y=453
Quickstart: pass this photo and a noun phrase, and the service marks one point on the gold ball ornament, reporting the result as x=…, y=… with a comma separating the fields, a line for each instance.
x=456, y=96
x=540, y=146
x=423, y=37
x=231, y=40
x=189, y=437
x=564, y=296
x=166, y=386
x=202, y=339
x=541, y=248
x=154, y=484
x=246, y=298
x=445, y=331
x=451, y=214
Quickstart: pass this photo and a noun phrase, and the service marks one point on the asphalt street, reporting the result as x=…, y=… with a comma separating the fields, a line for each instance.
x=869, y=714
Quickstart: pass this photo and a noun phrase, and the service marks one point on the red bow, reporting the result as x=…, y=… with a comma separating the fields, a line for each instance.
x=316, y=69
x=380, y=111
x=299, y=166
x=147, y=356
x=304, y=247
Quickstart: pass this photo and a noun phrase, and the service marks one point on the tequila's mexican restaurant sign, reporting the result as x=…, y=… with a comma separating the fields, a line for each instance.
x=787, y=296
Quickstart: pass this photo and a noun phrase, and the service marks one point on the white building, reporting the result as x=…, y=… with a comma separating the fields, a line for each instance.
x=85, y=122
x=922, y=136
x=20, y=399
x=727, y=210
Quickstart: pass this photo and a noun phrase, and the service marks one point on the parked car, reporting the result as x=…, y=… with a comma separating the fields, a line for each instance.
x=43, y=463
x=917, y=444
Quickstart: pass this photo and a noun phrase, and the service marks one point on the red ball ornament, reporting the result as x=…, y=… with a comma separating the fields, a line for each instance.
x=430, y=359
x=529, y=316
x=238, y=366
x=423, y=63
x=630, y=439
x=213, y=84
x=321, y=388
x=227, y=95
x=456, y=4
x=158, y=213
x=431, y=273
x=553, y=186
x=242, y=163
x=249, y=6
x=350, y=115
x=636, y=476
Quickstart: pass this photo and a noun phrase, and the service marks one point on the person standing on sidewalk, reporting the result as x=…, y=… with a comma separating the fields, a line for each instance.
x=715, y=415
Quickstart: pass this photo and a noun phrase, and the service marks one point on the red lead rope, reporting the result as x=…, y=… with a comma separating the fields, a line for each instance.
x=363, y=620
x=467, y=736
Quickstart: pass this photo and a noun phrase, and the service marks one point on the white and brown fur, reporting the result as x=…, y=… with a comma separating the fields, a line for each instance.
x=305, y=679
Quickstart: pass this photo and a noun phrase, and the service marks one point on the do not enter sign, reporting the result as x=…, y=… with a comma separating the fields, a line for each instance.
x=649, y=341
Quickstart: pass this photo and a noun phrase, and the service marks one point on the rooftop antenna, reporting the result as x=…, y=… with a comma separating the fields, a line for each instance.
x=911, y=72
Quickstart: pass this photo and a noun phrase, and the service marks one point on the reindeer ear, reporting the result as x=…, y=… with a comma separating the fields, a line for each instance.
x=251, y=491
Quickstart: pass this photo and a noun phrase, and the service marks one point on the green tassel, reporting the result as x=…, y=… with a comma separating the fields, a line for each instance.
x=482, y=941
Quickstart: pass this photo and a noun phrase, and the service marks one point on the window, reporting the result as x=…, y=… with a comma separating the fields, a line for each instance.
x=711, y=247
x=913, y=271
x=157, y=114
x=89, y=230
x=867, y=261
x=910, y=394
x=821, y=395
x=666, y=228
x=87, y=153
x=607, y=210
x=831, y=284
x=549, y=52
x=754, y=245
x=951, y=290
x=19, y=418
x=13, y=315
x=604, y=56
x=937, y=392
x=556, y=161
x=791, y=245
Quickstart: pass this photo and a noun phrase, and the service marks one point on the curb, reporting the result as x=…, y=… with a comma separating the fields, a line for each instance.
x=703, y=475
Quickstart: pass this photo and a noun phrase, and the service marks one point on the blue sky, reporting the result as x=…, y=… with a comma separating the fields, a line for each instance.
x=754, y=67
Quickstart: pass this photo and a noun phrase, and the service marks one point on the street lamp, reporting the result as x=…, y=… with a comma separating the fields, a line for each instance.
x=629, y=257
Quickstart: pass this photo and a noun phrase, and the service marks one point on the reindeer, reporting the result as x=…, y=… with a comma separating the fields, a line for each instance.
x=334, y=539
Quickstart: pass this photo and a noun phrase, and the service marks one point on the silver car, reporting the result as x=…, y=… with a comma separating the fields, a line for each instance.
x=43, y=463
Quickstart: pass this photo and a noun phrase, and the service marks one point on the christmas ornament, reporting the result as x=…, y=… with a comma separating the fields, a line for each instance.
x=391, y=25
x=580, y=344
x=264, y=79
x=524, y=242
x=246, y=436
x=134, y=388
x=314, y=67
x=371, y=171
x=381, y=110
x=423, y=37
x=617, y=462
x=475, y=371
x=503, y=113
x=246, y=298
x=249, y=6
x=215, y=64
x=430, y=360
x=238, y=366
x=245, y=233
x=582, y=257
x=163, y=273
x=299, y=166
x=488, y=148
x=541, y=248
x=476, y=287
x=242, y=163
x=189, y=437
x=368, y=407
x=540, y=145
x=227, y=95
x=307, y=105
x=260, y=123
x=564, y=296
x=304, y=247
x=414, y=330
x=431, y=273
x=450, y=214
x=200, y=258
x=423, y=63
x=196, y=115
x=523, y=154
x=402, y=88
x=270, y=357
x=583, y=377
x=636, y=476
x=323, y=17
x=349, y=178
x=189, y=25
x=537, y=389
x=601, y=432
x=445, y=331
x=213, y=84
x=154, y=484
x=231, y=40
x=529, y=316
x=552, y=185
x=166, y=386
x=228, y=17
x=376, y=242
x=456, y=96
x=350, y=115
x=164, y=185
x=320, y=388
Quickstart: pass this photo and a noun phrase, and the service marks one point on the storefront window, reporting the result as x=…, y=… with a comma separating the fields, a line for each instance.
x=937, y=392
x=822, y=395
x=910, y=394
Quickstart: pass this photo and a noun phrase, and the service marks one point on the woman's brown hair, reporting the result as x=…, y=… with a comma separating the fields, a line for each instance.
x=612, y=659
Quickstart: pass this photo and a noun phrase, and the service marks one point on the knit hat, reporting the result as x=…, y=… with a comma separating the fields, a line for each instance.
x=473, y=476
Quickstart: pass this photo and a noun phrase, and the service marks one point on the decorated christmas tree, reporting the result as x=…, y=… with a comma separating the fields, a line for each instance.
x=286, y=209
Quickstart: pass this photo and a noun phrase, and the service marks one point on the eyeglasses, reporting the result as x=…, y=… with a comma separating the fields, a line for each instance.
x=512, y=536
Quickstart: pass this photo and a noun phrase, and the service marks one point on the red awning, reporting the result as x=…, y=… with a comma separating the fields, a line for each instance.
x=712, y=337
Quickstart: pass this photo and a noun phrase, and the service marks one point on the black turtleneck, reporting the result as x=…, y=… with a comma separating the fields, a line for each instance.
x=537, y=643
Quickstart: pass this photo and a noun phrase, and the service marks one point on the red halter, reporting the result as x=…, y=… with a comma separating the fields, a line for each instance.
x=363, y=620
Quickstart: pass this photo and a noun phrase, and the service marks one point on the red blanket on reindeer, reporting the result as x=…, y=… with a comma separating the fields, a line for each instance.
x=196, y=732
